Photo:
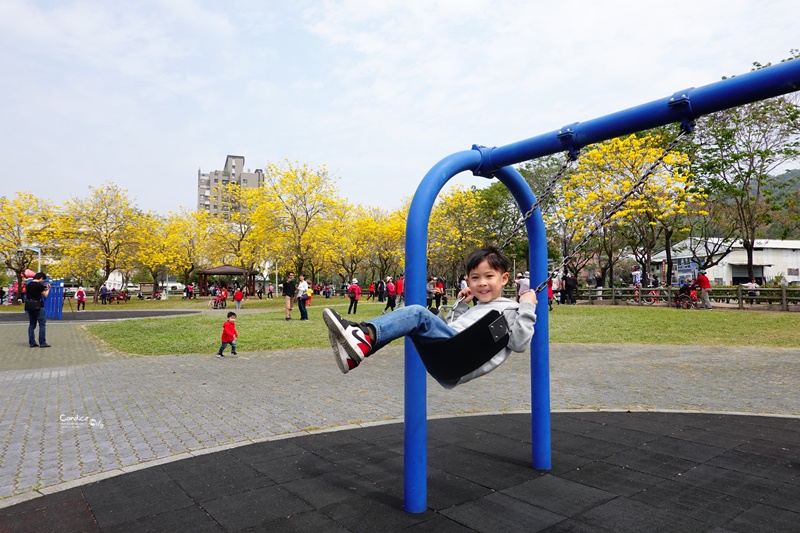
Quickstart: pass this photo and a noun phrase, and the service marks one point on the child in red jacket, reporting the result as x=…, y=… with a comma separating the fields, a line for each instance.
x=229, y=335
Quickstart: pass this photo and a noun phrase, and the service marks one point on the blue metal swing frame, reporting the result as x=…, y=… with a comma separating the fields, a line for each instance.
x=683, y=106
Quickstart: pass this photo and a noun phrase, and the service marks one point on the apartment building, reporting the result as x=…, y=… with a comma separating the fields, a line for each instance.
x=209, y=184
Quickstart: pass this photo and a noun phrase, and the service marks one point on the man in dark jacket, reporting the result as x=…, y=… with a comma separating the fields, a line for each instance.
x=36, y=292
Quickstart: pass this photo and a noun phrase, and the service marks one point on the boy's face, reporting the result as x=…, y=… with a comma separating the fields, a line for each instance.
x=232, y=318
x=486, y=283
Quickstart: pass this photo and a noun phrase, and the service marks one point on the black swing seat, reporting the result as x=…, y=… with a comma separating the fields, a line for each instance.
x=451, y=359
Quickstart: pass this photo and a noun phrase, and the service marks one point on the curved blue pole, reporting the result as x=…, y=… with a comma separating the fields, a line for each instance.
x=540, y=344
x=415, y=465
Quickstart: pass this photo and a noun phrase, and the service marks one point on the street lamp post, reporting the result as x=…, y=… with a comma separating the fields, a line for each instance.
x=21, y=256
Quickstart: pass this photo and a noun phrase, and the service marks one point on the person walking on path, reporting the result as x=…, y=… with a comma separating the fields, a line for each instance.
x=289, y=288
x=302, y=297
x=354, y=292
x=399, y=287
x=36, y=293
x=238, y=296
x=705, y=289
x=488, y=273
x=391, y=295
x=80, y=297
x=229, y=335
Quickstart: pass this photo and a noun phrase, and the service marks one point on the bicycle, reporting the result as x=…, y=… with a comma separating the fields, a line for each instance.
x=654, y=296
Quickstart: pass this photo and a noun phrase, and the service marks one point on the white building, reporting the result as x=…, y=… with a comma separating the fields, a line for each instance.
x=771, y=257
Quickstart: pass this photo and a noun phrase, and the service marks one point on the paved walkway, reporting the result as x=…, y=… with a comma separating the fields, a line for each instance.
x=75, y=410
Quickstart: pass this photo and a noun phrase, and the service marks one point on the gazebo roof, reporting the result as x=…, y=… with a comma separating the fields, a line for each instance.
x=226, y=270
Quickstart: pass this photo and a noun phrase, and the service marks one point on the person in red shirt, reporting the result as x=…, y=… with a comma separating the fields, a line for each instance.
x=401, y=282
x=223, y=295
x=238, y=296
x=391, y=295
x=229, y=335
x=354, y=291
x=705, y=289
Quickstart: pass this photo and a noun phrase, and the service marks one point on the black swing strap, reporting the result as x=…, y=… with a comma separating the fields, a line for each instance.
x=451, y=359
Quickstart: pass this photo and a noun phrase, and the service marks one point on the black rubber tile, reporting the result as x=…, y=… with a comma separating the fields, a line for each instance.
x=653, y=463
x=387, y=474
x=254, y=508
x=573, y=526
x=129, y=481
x=330, y=488
x=355, y=456
x=65, y=511
x=333, y=439
x=515, y=427
x=293, y=467
x=656, y=423
x=708, y=437
x=711, y=507
x=737, y=484
x=583, y=446
x=561, y=496
x=313, y=521
x=499, y=512
x=204, y=487
x=764, y=518
x=376, y=433
x=368, y=515
x=439, y=524
x=691, y=451
x=447, y=490
x=778, y=450
x=500, y=447
x=562, y=462
x=757, y=465
x=572, y=423
x=264, y=451
x=479, y=468
x=612, y=478
x=121, y=506
x=627, y=516
x=626, y=437
x=787, y=497
x=192, y=519
x=211, y=464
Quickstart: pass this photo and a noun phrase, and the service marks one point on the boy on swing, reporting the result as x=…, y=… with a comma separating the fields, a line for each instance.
x=487, y=274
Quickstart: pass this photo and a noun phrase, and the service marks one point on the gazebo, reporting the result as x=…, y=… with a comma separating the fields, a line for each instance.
x=228, y=270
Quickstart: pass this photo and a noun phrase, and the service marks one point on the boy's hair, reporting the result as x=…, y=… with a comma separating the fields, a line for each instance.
x=231, y=313
x=491, y=255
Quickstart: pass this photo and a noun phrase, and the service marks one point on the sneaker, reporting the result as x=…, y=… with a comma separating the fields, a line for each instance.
x=234, y=353
x=350, y=336
x=220, y=355
x=43, y=345
x=346, y=364
x=34, y=345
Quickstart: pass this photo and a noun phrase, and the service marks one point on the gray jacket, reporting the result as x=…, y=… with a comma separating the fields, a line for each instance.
x=521, y=318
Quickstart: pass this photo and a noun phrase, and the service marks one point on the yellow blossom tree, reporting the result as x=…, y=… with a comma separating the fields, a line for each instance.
x=24, y=221
x=96, y=235
x=297, y=200
x=609, y=171
x=457, y=227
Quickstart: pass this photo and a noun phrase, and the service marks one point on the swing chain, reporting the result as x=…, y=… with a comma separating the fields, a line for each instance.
x=616, y=207
x=547, y=190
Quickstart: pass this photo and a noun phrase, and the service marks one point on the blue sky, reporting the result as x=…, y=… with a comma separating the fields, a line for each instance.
x=144, y=93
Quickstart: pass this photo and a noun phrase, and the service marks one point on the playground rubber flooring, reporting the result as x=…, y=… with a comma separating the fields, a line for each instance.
x=611, y=471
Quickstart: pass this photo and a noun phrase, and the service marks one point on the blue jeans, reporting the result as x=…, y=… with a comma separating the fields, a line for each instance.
x=413, y=321
x=225, y=345
x=37, y=317
x=301, y=305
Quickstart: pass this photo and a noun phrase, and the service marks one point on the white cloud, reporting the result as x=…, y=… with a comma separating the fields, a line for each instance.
x=144, y=93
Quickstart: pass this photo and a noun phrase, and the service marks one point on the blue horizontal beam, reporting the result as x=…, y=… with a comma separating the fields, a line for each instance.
x=685, y=105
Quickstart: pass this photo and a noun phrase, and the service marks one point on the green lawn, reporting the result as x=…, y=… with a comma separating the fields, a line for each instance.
x=266, y=329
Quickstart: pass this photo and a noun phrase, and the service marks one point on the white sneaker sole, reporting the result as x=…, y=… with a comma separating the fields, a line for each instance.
x=335, y=328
